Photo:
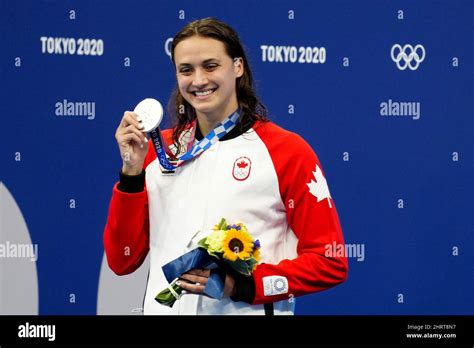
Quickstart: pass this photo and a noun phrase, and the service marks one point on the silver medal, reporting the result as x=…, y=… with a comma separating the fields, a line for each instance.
x=151, y=113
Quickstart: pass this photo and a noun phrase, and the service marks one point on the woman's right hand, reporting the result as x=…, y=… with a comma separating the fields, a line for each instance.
x=132, y=142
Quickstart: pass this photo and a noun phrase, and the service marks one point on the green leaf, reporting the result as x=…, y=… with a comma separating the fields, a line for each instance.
x=166, y=298
x=251, y=263
x=222, y=224
x=218, y=256
x=202, y=243
x=240, y=266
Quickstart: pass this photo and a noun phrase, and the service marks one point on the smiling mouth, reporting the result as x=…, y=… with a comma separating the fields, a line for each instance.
x=204, y=93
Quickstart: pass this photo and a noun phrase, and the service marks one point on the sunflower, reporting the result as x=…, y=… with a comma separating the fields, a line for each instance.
x=237, y=244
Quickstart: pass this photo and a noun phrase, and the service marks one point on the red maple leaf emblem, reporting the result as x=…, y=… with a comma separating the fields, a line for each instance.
x=242, y=164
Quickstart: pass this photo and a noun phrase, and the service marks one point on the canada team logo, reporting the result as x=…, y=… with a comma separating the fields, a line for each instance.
x=242, y=167
x=319, y=188
x=408, y=56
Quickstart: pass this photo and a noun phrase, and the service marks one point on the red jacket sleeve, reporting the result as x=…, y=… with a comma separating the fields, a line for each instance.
x=126, y=234
x=311, y=214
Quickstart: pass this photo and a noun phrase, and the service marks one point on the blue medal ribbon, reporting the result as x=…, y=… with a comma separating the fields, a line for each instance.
x=213, y=137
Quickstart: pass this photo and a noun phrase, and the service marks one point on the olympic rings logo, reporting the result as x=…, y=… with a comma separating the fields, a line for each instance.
x=399, y=55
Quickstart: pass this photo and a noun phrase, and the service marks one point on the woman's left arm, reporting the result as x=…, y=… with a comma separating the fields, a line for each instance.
x=312, y=216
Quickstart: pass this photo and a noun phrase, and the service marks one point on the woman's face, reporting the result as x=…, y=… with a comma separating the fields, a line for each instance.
x=207, y=76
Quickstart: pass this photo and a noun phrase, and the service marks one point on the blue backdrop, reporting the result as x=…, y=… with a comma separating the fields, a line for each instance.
x=396, y=145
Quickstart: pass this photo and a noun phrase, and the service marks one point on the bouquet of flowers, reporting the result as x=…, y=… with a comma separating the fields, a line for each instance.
x=227, y=244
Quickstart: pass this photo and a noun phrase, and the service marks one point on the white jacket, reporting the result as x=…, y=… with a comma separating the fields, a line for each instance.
x=267, y=178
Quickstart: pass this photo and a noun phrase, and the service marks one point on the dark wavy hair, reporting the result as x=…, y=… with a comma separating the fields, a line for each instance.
x=181, y=112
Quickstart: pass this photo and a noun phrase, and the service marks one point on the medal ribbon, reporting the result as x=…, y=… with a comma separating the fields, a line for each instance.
x=193, y=150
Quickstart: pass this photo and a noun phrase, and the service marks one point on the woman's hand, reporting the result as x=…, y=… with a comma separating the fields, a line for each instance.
x=199, y=277
x=132, y=142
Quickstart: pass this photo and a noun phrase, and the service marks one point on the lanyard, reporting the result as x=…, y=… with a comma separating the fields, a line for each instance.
x=195, y=150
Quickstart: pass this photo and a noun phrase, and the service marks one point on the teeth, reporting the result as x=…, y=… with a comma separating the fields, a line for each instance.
x=200, y=94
